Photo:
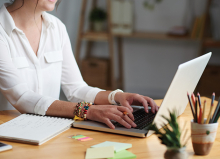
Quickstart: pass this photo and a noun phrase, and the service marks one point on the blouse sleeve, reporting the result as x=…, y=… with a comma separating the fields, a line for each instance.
x=73, y=85
x=16, y=90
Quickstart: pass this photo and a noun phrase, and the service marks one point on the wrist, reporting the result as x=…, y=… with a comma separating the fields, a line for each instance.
x=81, y=110
x=89, y=112
x=111, y=96
x=118, y=97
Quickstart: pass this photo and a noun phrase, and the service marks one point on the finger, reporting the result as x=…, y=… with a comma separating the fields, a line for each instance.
x=126, y=104
x=120, y=120
x=109, y=123
x=128, y=120
x=125, y=109
x=157, y=108
x=152, y=104
x=143, y=101
x=126, y=117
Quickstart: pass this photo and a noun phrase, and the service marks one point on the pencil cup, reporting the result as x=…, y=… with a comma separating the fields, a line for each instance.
x=203, y=137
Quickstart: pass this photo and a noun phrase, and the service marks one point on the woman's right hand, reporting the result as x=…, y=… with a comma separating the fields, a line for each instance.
x=106, y=113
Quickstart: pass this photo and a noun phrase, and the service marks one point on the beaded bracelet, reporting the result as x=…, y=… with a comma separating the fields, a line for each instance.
x=77, y=111
x=80, y=113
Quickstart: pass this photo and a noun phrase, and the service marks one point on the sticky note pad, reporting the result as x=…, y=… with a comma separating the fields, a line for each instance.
x=100, y=152
x=83, y=138
x=124, y=154
x=78, y=136
x=87, y=139
x=117, y=145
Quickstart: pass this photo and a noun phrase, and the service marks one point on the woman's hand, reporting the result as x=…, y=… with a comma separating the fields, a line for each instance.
x=106, y=113
x=128, y=99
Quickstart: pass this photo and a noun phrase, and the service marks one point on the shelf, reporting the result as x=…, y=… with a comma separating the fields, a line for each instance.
x=209, y=42
x=152, y=35
x=95, y=36
x=103, y=36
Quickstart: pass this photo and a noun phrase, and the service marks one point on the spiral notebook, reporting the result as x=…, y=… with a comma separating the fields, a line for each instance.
x=33, y=129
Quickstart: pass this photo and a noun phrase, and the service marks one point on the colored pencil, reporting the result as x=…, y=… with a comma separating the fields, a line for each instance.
x=195, y=118
x=199, y=99
x=213, y=98
x=193, y=99
x=194, y=103
x=200, y=116
x=216, y=111
x=203, y=114
x=217, y=117
x=210, y=114
x=200, y=109
x=191, y=106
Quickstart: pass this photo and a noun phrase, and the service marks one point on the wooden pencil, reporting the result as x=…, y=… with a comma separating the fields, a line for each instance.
x=209, y=115
x=195, y=118
x=193, y=99
x=217, y=117
x=200, y=109
x=203, y=114
x=191, y=106
x=213, y=98
x=199, y=99
x=200, y=115
x=215, y=112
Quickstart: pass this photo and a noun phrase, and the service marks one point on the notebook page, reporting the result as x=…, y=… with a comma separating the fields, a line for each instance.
x=33, y=127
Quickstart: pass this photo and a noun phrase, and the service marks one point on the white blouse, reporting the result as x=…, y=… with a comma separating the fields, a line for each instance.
x=31, y=83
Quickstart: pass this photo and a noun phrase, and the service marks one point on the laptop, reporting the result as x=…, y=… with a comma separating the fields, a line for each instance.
x=185, y=80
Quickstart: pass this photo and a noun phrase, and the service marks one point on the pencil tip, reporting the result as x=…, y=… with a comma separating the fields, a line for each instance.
x=198, y=94
x=213, y=93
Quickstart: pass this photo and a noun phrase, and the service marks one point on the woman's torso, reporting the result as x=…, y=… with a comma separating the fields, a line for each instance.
x=42, y=73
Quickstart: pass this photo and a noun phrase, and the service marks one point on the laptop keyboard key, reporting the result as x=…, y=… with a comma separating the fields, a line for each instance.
x=141, y=119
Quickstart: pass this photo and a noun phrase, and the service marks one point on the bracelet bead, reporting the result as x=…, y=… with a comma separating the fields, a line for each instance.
x=81, y=110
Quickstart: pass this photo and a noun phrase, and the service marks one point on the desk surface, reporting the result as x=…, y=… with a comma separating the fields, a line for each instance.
x=64, y=147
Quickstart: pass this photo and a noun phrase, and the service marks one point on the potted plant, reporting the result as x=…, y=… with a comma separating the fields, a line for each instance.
x=97, y=17
x=169, y=136
x=150, y=4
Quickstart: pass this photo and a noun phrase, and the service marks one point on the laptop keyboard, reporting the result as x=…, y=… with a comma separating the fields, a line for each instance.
x=141, y=119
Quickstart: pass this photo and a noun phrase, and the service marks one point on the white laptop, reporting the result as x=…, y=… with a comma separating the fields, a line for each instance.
x=185, y=80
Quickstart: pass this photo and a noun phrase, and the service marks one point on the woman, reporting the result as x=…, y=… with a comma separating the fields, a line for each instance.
x=36, y=56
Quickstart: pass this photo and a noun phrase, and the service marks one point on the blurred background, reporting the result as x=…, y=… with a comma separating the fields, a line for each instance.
x=137, y=45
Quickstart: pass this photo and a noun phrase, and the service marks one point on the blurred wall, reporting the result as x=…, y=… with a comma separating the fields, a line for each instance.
x=149, y=65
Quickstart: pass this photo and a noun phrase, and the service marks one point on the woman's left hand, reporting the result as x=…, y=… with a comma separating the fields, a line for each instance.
x=128, y=99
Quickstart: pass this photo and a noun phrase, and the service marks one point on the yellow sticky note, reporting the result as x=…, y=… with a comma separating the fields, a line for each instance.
x=117, y=145
x=100, y=152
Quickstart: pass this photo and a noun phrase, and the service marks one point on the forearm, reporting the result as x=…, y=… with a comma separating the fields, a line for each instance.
x=102, y=98
x=61, y=109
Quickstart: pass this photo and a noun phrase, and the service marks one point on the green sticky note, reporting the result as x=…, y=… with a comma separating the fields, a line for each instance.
x=117, y=145
x=78, y=136
x=124, y=154
x=100, y=152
